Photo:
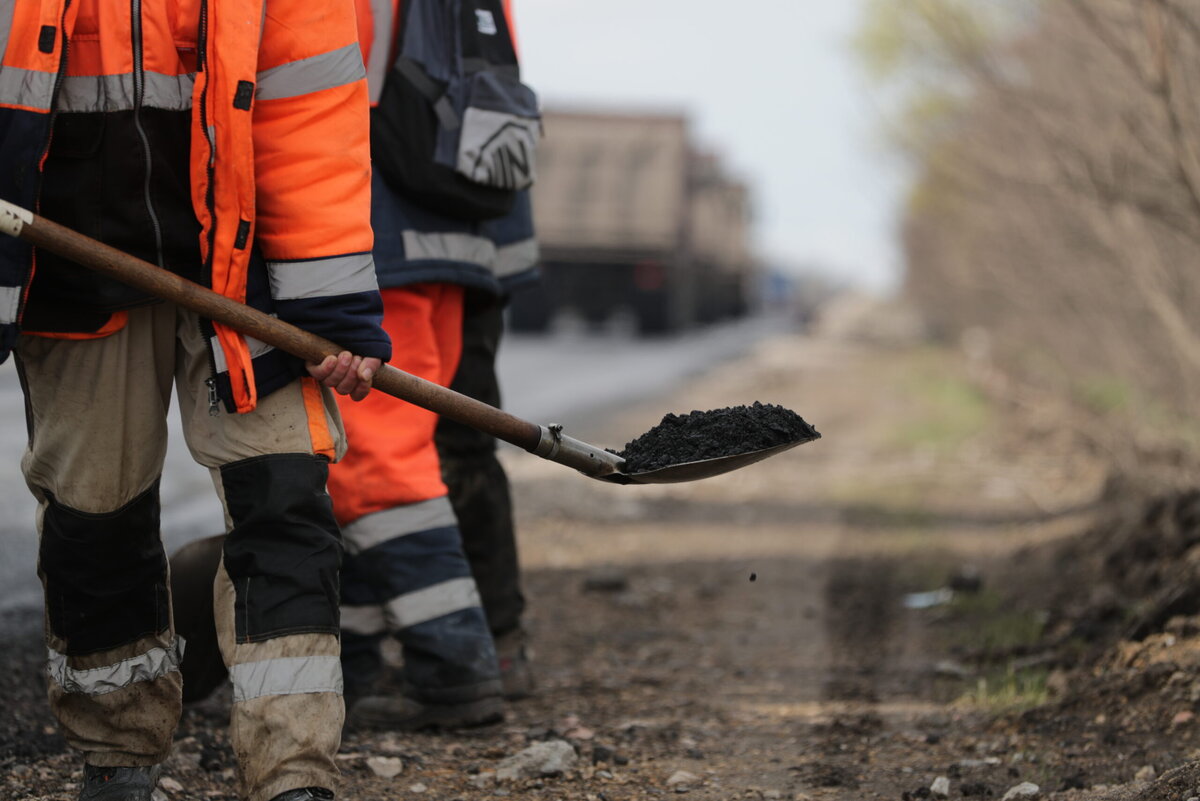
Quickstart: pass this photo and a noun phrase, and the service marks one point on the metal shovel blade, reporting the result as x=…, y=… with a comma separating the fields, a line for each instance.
x=702, y=468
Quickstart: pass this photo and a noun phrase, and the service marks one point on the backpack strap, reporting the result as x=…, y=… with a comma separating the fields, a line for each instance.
x=416, y=75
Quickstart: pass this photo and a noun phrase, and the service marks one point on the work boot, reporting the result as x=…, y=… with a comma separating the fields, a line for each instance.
x=118, y=784
x=305, y=794
x=516, y=670
x=401, y=713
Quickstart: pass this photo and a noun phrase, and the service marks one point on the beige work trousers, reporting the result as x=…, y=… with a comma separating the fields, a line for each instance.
x=97, y=417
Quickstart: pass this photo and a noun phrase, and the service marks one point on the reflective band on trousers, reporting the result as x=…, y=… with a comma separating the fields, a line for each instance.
x=379, y=527
x=325, y=71
x=288, y=675
x=412, y=608
x=322, y=278
x=154, y=664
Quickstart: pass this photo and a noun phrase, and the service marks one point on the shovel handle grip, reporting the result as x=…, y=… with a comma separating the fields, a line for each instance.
x=161, y=283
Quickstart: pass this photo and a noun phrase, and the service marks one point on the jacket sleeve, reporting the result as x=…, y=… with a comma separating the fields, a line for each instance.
x=312, y=167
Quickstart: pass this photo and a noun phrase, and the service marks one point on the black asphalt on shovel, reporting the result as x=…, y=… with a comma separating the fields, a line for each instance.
x=547, y=442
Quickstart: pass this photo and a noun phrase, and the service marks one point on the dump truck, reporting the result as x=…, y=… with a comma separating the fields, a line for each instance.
x=638, y=228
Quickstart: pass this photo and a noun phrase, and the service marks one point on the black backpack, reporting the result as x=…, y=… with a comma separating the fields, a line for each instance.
x=455, y=129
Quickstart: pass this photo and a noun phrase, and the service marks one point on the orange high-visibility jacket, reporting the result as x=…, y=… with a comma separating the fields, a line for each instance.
x=279, y=152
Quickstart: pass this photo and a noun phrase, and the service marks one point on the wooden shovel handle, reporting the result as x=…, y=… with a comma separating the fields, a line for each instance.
x=161, y=283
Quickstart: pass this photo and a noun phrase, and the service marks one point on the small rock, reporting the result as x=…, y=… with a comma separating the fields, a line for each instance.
x=1024, y=790
x=682, y=788
x=772, y=795
x=1186, y=716
x=417, y=788
x=1146, y=773
x=606, y=580
x=603, y=774
x=601, y=753
x=170, y=785
x=682, y=777
x=695, y=753
x=158, y=795
x=549, y=758
x=940, y=787
x=484, y=780
x=386, y=767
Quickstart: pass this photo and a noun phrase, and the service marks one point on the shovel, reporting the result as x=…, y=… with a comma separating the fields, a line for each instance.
x=546, y=441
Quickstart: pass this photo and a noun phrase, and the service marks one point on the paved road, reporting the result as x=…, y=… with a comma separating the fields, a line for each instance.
x=546, y=380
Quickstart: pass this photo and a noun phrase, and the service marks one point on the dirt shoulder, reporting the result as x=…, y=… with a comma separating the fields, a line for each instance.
x=755, y=636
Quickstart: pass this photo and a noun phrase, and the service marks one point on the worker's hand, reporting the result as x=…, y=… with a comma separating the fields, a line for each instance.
x=346, y=374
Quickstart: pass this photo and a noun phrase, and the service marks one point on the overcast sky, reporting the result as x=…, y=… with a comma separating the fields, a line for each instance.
x=770, y=84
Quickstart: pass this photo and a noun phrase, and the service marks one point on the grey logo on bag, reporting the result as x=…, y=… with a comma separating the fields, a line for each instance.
x=485, y=22
x=497, y=149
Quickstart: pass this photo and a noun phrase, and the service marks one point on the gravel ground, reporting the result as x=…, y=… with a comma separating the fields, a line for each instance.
x=762, y=635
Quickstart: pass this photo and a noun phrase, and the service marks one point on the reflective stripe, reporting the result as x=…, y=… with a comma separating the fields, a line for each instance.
x=289, y=675
x=154, y=664
x=322, y=278
x=29, y=88
x=7, y=10
x=10, y=302
x=514, y=258
x=257, y=348
x=381, y=48
x=451, y=247
x=116, y=92
x=325, y=71
x=379, y=527
x=364, y=620
x=433, y=602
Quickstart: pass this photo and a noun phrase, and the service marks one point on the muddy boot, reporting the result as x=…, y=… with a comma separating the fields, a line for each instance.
x=306, y=794
x=400, y=713
x=118, y=784
x=516, y=671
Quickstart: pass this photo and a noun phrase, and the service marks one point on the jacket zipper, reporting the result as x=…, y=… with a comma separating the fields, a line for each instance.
x=139, y=91
x=214, y=406
x=58, y=80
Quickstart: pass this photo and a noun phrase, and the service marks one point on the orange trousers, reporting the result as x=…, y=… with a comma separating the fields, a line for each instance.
x=391, y=458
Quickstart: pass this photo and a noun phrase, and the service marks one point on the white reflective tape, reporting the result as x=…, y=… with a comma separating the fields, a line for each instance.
x=257, y=348
x=289, y=675
x=364, y=620
x=450, y=247
x=379, y=527
x=28, y=88
x=517, y=257
x=10, y=304
x=430, y=603
x=381, y=48
x=13, y=218
x=314, y=74
x=104, y=93
x=154, y=664
x=322, y=278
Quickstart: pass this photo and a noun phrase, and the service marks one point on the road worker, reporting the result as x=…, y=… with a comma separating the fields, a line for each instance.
x=226, y=142
x=449, y=247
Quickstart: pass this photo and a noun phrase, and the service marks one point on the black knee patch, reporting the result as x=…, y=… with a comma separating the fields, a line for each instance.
x=285, y=548
x=105, y=574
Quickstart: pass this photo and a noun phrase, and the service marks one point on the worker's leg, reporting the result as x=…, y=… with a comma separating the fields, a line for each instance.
x=477, y=483
x=276, y=594
x=96, y=411
x=405, y=573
